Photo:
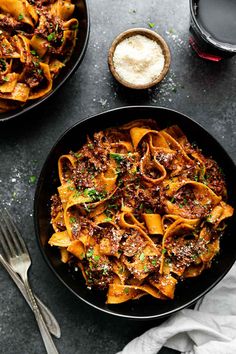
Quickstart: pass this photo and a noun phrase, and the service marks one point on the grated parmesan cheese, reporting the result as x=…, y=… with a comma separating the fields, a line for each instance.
x=138, y=60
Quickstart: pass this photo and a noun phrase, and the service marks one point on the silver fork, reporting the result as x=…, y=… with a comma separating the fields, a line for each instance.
x=48, y=317
x=19, y=259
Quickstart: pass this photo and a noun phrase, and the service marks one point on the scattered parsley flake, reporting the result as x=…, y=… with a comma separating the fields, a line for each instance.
x=142, y=257
x=151, y=24
x=121, y=270
x=126, y=290
x=32, y=179
x=148, y=211
x=78, y=155
x=154, y=262
x=3, y=65
x=96, y=258
x=107, y=219
x=33, y=52
x=86, y=207
x=117, y=157
x=164, y=250
x=172, y=200
x=72, y=220
x=70, y=188
x=51, y=36
x=75, y=26
x=89, y=253
x=20, y=17
x=94, y=194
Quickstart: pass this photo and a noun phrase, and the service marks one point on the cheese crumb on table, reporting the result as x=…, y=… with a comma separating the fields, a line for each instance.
x=138, y=60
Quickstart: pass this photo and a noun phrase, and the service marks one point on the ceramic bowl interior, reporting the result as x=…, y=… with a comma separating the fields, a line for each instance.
x=147, y=307
x=82, y=14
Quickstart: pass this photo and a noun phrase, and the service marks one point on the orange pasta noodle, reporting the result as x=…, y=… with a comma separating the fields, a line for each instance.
x=37, y=39
x=138, y=210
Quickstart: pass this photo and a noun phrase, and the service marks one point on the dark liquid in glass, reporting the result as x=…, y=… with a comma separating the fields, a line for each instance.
x=218, y=18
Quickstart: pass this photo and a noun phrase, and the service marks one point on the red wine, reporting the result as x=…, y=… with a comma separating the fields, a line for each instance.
x=218, y=18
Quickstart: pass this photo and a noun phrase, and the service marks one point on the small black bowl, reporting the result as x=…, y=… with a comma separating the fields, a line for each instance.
x=82, y=14
x=147, y=307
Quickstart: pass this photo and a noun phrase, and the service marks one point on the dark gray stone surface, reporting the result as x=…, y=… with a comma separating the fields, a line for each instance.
x=203, y=90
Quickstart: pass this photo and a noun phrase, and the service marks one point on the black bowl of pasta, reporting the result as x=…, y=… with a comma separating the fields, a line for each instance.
x=137, y=201
x=41, y=44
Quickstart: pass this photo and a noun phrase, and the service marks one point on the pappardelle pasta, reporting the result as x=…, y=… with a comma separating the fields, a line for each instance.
x=37, y=38
x=138, y=210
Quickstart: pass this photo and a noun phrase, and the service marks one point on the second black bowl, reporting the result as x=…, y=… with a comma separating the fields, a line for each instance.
x=82, y=14
x=147, y=307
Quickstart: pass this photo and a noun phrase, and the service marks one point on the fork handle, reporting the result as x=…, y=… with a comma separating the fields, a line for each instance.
x=47, y=339
x=50, y=320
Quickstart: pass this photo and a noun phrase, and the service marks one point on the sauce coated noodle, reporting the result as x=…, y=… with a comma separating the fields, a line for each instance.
x=37, y=38
x=138, y=210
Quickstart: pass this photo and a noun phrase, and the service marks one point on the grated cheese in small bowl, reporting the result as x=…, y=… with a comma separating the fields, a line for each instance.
x=139, y=58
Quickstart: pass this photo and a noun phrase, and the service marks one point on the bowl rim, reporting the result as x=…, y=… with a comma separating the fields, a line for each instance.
x=151, y=35
x=74, y=68
x=35, y=208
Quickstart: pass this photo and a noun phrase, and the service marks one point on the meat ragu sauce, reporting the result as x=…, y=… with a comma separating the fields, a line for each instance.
x=138, y=210
x=37, y=38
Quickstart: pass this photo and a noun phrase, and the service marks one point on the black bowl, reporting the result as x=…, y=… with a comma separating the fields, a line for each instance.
x=147, y=307
x=82, y=14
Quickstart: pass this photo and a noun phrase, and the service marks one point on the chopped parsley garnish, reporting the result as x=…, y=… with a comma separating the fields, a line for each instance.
x=20, y=17
x=32, y=179
x=89, y=253
x=6, y=79
x=3, y=65
x=75, y=26
x=33, y=52
x=51, y=36
x=121, y=270
x=145, y=268
x=164, y=250
x=94, y=194
x=142, y=257
x=105, y=269
x=86, y=207
x=140, y=206
x=96, y=258
x=196, y=178
x=126, y=290
x=78, y=155
x=148, y=211
x=151, y=24
x=77, y=194
x=117, y=157
x=172, y=200
x=91, y=146
x=209, y=218
x=72, y=220
x=70, y=188
x=107, y=219
x=154, y=262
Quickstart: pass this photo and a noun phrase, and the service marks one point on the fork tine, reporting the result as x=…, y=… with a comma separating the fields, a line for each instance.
x=15, y=234
x=6, y=245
